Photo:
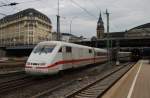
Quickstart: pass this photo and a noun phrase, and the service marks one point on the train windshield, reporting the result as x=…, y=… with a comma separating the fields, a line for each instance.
x=44, y=49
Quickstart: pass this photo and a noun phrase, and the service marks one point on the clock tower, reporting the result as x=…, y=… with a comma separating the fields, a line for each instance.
x=100, y=28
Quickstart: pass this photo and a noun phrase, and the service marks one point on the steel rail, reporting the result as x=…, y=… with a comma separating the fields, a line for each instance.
x=97, y=88
x=16, y=83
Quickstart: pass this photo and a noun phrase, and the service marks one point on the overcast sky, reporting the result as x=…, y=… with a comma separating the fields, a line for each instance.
x=124, y=14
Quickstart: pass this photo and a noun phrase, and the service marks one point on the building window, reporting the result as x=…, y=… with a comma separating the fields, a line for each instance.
x=30, y=40
x=31, y=33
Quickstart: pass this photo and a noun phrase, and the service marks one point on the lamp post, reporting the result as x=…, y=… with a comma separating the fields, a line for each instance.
x=71, y=23
x=1, y=33
x=117, y=52
x=58, y=24
x=10, y=4
x=108, y=40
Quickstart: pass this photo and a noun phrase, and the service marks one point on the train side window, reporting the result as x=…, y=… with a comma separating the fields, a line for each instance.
x=60, y=50
x=90, y=51
x=68, y=49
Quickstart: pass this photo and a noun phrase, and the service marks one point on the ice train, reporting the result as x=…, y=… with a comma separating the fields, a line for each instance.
x=50, y=57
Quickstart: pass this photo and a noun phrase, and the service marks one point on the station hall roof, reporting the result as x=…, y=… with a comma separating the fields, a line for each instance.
x=147, y=25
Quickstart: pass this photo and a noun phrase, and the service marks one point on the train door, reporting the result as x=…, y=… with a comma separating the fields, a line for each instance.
x=76, y=55
x=67, y=57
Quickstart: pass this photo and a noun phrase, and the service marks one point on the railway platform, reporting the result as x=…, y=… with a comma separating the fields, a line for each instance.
x=134, y=84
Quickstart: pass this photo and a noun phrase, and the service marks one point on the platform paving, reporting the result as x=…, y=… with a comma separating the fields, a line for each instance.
x=135, y=84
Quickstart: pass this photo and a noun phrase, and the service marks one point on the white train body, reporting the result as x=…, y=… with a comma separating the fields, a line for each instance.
x=50, y=57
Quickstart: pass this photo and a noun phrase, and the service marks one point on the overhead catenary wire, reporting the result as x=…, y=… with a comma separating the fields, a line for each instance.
x=94, y=4
x=30, y=1
x=2, y=2
x=7, y=3
x=10, y=4
x=84, y=9
x=14, y=7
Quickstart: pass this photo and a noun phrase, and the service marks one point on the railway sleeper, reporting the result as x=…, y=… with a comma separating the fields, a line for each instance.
x=99, y=86
x=85, y=96
x=91, y=91
x=95, y=89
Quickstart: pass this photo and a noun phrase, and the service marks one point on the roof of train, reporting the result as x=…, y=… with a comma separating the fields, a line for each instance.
x=70, y=44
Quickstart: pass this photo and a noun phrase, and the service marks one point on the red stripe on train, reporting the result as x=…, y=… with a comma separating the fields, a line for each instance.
x=65, y=62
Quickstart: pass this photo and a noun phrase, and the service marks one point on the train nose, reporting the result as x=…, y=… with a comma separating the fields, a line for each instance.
x=35, y=68
x=36, y=71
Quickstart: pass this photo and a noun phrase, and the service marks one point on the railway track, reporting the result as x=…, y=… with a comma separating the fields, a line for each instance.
x=9, y=76
x=53, y=89
x=15, y=83
x=11, y=73
x=97, y=88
